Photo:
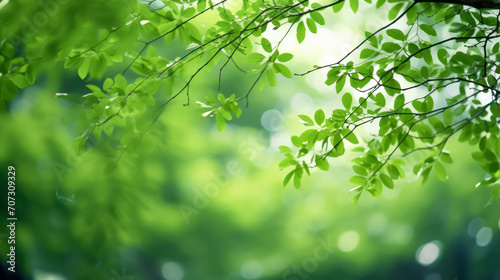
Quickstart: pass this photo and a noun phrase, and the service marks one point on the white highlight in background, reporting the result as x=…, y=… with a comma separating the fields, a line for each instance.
x=348, y=241
x=251, y=269
x=429, y=253
x=484, y=236
x=172, y=271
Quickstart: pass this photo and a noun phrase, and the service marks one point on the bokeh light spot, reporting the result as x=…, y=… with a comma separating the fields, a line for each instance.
x=484, y=236
x=301, y=102
x=251, y=269
x=42, y=275
x=377, y=224
x=474, y=226
x=348, y=241
x=403, y=234
x=427, y=254
x=433, y=276
x=272, y=120
x=172, y=271
x=1, y=6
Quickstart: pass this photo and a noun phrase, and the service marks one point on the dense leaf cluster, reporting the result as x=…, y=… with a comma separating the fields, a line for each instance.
x=420, y=88
x=420, y=85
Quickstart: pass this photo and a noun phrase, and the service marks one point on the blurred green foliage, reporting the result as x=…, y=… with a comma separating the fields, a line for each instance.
x=200, y=203
x=174, y=198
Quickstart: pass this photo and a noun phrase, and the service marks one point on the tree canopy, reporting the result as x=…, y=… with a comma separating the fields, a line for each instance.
x=426, y=75
x=113, y=178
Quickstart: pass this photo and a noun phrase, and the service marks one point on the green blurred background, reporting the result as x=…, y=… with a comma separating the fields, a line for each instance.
x=193, y=203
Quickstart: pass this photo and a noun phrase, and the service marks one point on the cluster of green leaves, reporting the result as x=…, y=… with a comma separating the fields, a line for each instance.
x=48, y=33
x=16, y=72
x=222, y=110
x=419, y=102
x=404, y=81
x=120, y=103
x=122, y=100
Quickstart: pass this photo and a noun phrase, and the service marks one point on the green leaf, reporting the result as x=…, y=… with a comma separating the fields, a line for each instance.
x=225, y=114
x=428, y=29
x=350, y=136
x=347, y=100
x=396, y=34
x=266, y=45
x=97, y=132
x=220, y=122
x=311, y=25
x=83, y=70
x=19, y=80
x=399, y=101
x=387, y=180
x=306, y=119
x=79, y=144
x=285, y=149
x=428, y=103
x=495, y=194
x=288, y=177
x=489, y=155
x=255, y=58
x=221, y=98
x=393, y=171
x=201, y=5
x=189, y=12
x=296, y=141
x=360, y=170
x=297, y=177
x=357, y=180
x=108, y=128
x=301, y=32
x=107, y=84
x=8, y=50
x=448, y=116
x=283, y=70
x=440, y=171
x=338, y=6
x=271, y=78
x=340, y=83
x=8, y=90
x=308, y=135
x=284, y=57
x=390, y=47
x=459, y=110
x=436, y=123
x=306, y=168
x=425, y=173
x=322, y=163
x=442, y=54
x=287, y=162
x=394, y=11
x=367, y=53
x=319, y=116
x=380, y=99
x=120, y=82
x=446, y=158
x=332, y=75
x=152, y=53
x=317, y=17
x=236, y=110
x=392, y=87
x=355, y=199
x=30, y=75
x=354, y=5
